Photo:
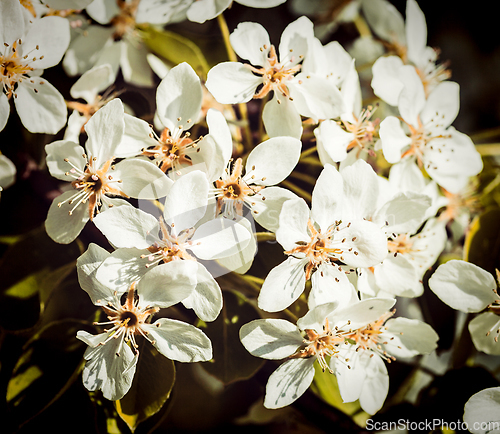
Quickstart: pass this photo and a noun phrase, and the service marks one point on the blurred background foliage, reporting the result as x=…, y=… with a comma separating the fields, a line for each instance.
x=42, y=305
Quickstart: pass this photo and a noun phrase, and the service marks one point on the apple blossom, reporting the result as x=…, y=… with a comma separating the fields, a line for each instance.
x=28, y=49
x=143, y=242
x=412, y=50
x=94, y=176
x=468, y=288
x=112, y=355
x=322, y=244
x=294, y=93
x=448, y=156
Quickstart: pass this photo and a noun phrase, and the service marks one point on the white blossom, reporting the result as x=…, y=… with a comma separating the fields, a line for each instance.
x=468, y=288
x=112, y=356
x=28, y=49
x=94, y=176
x=143, y=242
x=482, y=410
x=447, y=155
x=322, y=244
x=294, y=93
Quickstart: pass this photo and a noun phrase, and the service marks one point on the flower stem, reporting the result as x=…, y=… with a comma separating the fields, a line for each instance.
x=265, y=236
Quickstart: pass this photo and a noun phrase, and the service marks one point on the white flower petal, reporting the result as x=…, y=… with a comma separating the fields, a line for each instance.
x=481, y=412
x=386, y=83
x=397, y=275
x=103, y=11
x=351, y=380
x=242, y=260
x=411, y=337
x=206, y=298
x=412, y=97
x=361, y=191
x=365, y=244
x=232, y=82
x=123, y=267
x=283, y=285
x=393, y=139
x=133, y=63
x=361, y=313
x=327, y=197
x=404, y=213
x=60, y=226
x=7, y=172
x=179, y=95
x=281, y=118
x=105, y=131
x=293, y=224
x=167, y=284
x=179, y=341
x=416, y=32
x=4, y=110
x=126, y=226
x=12, y=22
x=442, y=105
x=289, y=382
x=270, y=338
x=333, y=140
x=219, y=132
x=40, y=106
x=186, y=201
x=85, y=49
x=219, y=238
x=483, y=331
x=92, y=82
x=267, y=205
x=248, y=41
x=86, y=266
x=60, y=150
x=375, y=386
x=316, y=97
x=463, y=286
x=105, y=370
x=141, y=179
x=204, y=10
x=295, y=39
x=271, y=162
x=136, y=137
x=47, y=40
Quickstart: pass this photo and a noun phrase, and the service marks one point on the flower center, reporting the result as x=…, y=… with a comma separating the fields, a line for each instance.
x=127, y=318
x=232, y=191
x=325, y=247
x=92, y=185
x=14, y=69
x=124, y=23
x=169, y=247
x=401, y=244
x=423, y=142
x=320, y=345
x=173, y=148
x=275, y=75
x=364, y=131
x=371, y=337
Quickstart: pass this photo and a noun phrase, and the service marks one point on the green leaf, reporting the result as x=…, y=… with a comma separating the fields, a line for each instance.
x=153, y=381
x=482, y=243
x=231, y=361
x=50, y=362
x=176, y=49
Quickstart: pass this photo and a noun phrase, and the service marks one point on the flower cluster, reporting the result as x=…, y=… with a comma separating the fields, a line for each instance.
x=359, y=182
